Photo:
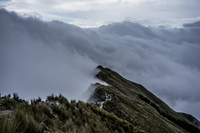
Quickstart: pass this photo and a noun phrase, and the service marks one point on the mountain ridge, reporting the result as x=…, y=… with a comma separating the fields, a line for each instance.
x=124, y=91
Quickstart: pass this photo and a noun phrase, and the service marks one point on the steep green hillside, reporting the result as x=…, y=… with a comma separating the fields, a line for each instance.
x=131, y=101
x=191, y=119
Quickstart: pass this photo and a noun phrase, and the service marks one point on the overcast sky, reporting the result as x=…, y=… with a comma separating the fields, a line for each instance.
x=155, y=43
x=92, y=13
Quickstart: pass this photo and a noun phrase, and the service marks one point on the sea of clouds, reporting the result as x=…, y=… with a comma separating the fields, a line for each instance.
x=38, y=58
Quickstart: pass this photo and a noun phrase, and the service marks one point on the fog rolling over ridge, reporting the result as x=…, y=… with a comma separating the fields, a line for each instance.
x=39, y=58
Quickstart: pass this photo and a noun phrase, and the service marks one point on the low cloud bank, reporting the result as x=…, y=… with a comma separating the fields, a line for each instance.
x=38, y=58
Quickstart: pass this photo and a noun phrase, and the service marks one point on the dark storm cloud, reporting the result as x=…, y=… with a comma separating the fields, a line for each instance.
x=43, y=57
x=195, y=24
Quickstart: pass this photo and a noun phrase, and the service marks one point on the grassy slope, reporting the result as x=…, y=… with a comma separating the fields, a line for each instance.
x=191, y=119
x=139, y=106
x=57, y=114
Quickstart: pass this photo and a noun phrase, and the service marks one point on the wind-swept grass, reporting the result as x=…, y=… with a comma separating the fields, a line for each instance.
x=57, y=114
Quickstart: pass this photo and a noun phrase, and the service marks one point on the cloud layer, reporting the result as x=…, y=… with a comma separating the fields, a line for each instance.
x=92, y=13
x=40, y=58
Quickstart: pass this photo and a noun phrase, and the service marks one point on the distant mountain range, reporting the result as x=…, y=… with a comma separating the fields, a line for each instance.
x=122, y=106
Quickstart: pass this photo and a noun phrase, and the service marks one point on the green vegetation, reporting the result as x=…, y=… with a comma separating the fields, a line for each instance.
x=9, y=103
x=57, y=114
x=134, y=103
x=184, y=124
x=191, y=119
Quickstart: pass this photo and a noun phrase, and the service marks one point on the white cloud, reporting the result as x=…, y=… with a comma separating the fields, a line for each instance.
x=35, y=62
x=98, y=12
